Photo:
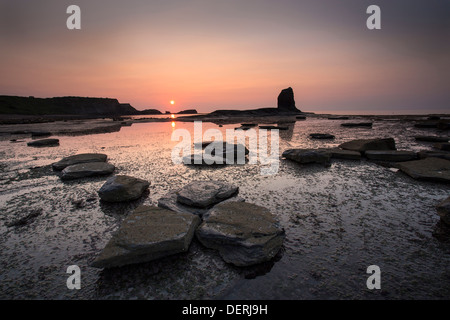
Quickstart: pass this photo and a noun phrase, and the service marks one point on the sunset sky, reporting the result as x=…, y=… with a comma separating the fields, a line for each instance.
x=231, y=54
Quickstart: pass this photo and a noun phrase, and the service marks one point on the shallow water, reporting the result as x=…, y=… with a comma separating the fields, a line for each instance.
x=338, y=221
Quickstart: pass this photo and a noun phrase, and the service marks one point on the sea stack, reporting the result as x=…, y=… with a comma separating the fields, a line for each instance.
x=286, y=102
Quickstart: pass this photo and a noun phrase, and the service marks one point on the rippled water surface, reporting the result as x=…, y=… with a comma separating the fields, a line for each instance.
x=338, y=221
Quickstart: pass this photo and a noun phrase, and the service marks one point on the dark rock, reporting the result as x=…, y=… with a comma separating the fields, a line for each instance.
x=204, y=194
x=43, y=143
x=217, y=153
x=64, y=106
x=274, y=127
x=430, y=169
x=431, y=139
x=442, y=231
x=357, y=124
x=363, y=145
x=122, y=188
x=443, y=210
x=77, y=159
x=426, y=124
x=150, y=112
x=390, y=155
x=338, y=118
x=443, y=124
x=307, y=156
x=189, y=111
x=223, y=149
x=169, y=201
x=243, y=233
x=300, y=118
x=84, y=170
x=442, y=146
x=149, y=233
x=337, y=153
x=204, y=160
x=434, y=154
x=434, y=118
x=321, y=136
x=286, y=101
x=40, y=133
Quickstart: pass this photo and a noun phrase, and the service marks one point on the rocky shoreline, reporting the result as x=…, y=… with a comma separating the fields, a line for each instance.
x=347, y=177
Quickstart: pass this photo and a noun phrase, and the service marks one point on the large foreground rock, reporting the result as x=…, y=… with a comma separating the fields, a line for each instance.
x=391, y=155
x=84, y=170
x=147, y=234
x=443, y=209
x=307, y=156
x=77, y=159
x=44, y=143
x=431, y=169
x=122, y=188
x=243, y=233
x=363, y=145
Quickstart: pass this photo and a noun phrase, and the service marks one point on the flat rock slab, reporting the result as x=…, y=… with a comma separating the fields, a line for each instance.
x=357, y=124
x=426, y=124
x=169, y=201
x=363, y=145
x=433, y=154
x=274, y=127
x=442, y=146
x=432, y=139
x=123, y=188
x=321, y=136
x=84, y=170
x=43, y=143
x=431, y=169
x=337, y=153
x=79, y=158
x=443, y=210
x=204, y=194
x=223, y=149
x=391, y=155
x=307, y=156
x=244, y=234
x=40, y=133
x=149, y=233
x=338, y=118
x=204, y=160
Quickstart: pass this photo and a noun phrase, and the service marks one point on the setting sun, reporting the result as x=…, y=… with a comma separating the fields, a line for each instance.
x=172, y=102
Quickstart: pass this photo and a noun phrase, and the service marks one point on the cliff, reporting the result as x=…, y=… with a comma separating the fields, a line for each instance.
x=64, y=106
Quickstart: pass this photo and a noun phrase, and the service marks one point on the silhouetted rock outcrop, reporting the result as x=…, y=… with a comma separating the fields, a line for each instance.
x=189, y=111
x=150, y=111
x=286, y=102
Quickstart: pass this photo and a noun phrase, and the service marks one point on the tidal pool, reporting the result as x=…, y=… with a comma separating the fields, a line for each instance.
x=338, y=221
